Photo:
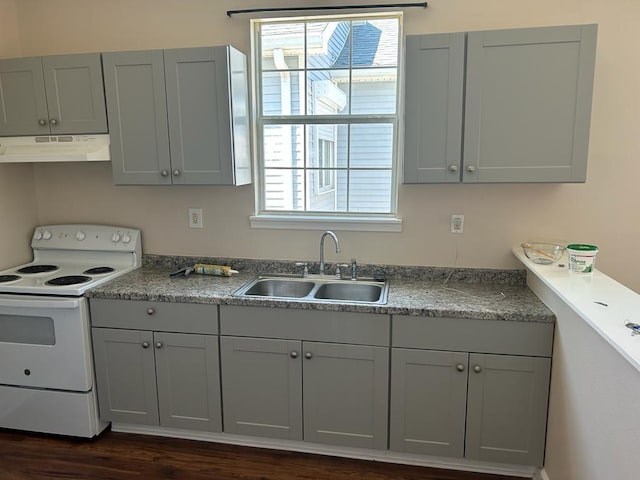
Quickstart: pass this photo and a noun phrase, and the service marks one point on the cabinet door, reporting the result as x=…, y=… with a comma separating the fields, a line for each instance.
x=137, y=111
x=199, y=115
x=262, y=387
x=507, y=408
x=346, y=394
x=528, y=104
x=188, y=377
x=125, y=375
x=428, y=402
x=433, y=108
x=75, y=93
x=23, y=102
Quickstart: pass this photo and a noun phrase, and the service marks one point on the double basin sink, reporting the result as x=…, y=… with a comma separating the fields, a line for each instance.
x=316, y=289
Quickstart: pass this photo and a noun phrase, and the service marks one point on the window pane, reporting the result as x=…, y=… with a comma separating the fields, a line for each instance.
x=370, y=191
x=330, y=199
x=328, y=92
x=321, y=142
x=284, y=189
x=283, y=146
x=281, y=93
x=375, y=43
x=282, y=45
x=374, y=91
x=327, y=42
x=371, y=145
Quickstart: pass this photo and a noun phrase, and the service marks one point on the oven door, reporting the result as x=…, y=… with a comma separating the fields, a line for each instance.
x=44, y=342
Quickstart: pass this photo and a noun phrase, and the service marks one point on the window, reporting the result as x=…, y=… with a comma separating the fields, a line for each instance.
x=327, y=115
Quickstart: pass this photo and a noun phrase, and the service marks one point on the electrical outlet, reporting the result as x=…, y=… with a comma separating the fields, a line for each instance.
x=195, y=218
x=457, y=223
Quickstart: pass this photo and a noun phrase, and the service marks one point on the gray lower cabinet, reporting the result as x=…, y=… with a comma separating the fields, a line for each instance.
x=57, y=94
x=302, y=384
x=178, y=116
x=522, y=97
x=483, y=406
x=157, y=377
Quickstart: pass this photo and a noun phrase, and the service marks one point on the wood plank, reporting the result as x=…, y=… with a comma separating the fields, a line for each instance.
x=122, y=456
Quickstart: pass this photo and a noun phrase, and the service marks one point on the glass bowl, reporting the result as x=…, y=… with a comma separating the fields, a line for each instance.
x=543, y=253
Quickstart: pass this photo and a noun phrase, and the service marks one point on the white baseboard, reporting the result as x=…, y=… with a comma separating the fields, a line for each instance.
x=542, y=475
x=346, y=452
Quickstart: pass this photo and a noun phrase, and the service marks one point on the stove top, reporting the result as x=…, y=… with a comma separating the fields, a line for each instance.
x=70, y=259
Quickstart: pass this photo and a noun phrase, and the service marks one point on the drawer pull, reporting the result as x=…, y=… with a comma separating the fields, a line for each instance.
x=477, y=369
x=145, y=344
x=150, y=311
x=460, y=367
x=294, y=354
x=308, y=355
x=159, y=344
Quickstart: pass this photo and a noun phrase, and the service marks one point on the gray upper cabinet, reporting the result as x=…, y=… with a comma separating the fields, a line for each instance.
x=178, y=116
x=60, y=94
x=527, y=105
x=433, y=108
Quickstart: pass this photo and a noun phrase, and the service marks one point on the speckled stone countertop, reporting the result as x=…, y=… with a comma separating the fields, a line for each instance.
x=426, y=291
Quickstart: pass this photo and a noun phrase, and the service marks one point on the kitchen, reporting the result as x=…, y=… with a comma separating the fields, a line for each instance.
x=496, y=216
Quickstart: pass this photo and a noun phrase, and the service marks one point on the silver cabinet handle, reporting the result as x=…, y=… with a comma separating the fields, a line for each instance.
x=460, y=367
x=53, y=121
x=308, y=355
x=145, y=344
x=42, y=122
x=471, y=168
x=453, y=168
x=294, y=354
x=477, y=369
x=176, y=173
x=164, y=173
x=159, y=344
x=150, y=311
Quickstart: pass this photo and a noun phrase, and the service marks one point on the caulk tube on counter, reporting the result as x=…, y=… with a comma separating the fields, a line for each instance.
x=219, y=270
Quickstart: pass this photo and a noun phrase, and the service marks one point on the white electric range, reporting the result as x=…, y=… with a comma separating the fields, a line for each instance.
x=46, y=364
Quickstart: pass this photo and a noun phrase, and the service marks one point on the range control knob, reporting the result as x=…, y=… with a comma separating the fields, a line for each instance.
x=46, y=235
x=37, y=235
x=115, y=238
x=81, y=236
x=126, y=238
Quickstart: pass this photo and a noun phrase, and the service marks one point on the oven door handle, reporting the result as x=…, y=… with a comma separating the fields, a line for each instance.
x=40, y=303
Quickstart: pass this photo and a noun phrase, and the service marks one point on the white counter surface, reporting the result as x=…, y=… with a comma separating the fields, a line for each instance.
x=602, y=302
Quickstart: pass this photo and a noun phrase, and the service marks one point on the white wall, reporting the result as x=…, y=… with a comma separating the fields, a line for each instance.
x=18, y=211
x=592, y=429
x=602, y=211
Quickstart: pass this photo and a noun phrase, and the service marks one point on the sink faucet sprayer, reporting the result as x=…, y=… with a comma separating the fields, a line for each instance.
x=335, y=239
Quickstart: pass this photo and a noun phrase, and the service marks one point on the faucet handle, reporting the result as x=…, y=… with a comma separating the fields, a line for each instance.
x=305, y=271
x=338, y=271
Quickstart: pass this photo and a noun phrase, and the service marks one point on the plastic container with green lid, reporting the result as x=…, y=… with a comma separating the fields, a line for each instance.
x=582, y=257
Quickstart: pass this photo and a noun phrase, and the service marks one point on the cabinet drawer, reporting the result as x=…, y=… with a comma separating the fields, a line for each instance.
x=473, y=335
x=316, y=325
x=156, y=316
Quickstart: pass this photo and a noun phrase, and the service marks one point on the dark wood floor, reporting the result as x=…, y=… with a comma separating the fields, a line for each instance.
x=121, y=456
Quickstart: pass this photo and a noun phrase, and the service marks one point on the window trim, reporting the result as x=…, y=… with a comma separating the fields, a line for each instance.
x=370, y=222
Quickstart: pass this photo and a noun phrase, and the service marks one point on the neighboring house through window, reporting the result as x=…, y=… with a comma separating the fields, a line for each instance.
x=327, y=115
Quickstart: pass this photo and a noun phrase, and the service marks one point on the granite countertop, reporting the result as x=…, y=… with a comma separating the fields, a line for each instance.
x=425, y=291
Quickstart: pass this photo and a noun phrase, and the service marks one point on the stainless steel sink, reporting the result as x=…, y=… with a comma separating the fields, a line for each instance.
x=316, y=289
x=279, y=287
x=350, y=291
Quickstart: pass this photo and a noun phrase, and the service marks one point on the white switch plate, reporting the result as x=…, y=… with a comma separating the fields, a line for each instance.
x=457, y=223
x=195, y=218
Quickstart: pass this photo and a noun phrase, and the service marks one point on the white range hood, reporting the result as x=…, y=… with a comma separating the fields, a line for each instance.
x=55, y=148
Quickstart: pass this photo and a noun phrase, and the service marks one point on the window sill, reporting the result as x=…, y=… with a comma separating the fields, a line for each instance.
x=354, y=224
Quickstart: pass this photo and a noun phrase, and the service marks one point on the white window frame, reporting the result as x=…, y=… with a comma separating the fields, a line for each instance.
x=384, y=222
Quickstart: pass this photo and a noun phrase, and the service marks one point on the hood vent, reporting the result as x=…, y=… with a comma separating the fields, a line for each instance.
x=61, y=148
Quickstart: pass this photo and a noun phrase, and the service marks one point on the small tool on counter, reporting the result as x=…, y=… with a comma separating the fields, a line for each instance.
x=635, y=328
x=205, y=269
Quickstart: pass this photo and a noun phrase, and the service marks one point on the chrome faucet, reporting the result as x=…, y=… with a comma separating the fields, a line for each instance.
x=335, y=239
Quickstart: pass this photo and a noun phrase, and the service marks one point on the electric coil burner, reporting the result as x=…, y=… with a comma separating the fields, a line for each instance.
x=46, y=365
